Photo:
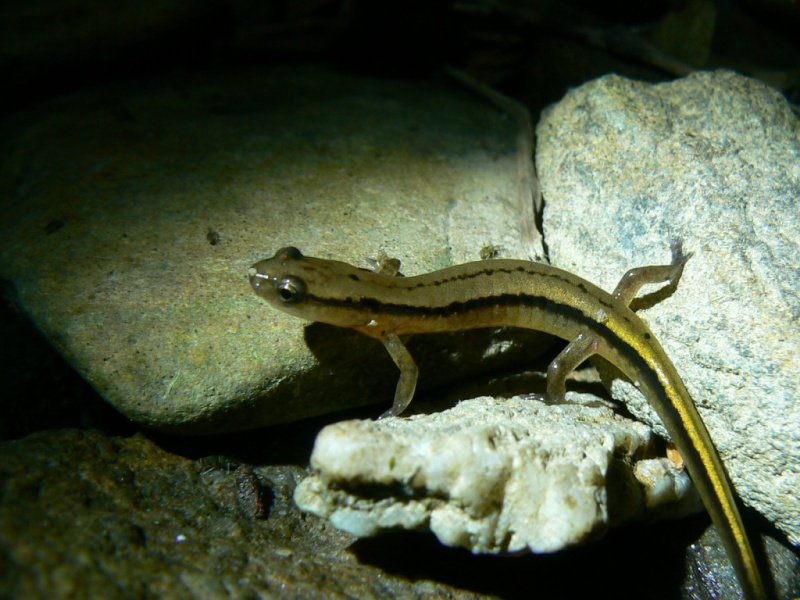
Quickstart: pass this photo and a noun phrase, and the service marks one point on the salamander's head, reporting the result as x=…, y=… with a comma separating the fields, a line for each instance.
x=278, y=280
x=311, y=288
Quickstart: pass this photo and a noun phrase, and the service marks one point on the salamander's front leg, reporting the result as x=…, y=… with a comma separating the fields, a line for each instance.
x=384, y=265
x=408, y=375
x=634, y=279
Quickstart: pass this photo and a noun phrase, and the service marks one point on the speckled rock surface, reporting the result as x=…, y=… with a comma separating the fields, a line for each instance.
x=131, y=214
x=494, y=476
x=713, y=160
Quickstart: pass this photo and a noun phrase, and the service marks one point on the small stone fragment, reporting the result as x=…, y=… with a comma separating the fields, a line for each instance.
x=250, y=494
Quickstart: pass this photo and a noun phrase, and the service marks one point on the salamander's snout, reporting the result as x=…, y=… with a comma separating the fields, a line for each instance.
x=272, y=281
x=263, y=274
x=259, y=279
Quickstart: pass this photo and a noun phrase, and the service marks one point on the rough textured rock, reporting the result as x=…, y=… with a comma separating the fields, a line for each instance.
x=131, y=214
x=713, y=160
x=84, y=515
x=494, y=476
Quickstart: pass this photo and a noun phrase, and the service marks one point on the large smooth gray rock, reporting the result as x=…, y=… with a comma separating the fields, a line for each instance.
x=131, y=215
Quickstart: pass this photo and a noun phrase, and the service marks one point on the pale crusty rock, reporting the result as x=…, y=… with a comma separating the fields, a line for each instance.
x=491, y=475
x=712, y=160
x=660, y=484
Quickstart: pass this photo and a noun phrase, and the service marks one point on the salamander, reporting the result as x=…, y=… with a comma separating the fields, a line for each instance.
x=517, y=293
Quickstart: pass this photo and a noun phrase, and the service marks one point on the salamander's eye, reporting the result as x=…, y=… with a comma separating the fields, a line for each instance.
x=291, y=289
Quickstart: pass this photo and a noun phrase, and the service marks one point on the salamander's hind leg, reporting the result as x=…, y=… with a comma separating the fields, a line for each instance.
x=408, y=375
x=569, y=359
x=588, y=344
x=634, y=279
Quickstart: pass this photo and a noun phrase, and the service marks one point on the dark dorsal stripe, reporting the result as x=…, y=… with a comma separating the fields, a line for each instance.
x=505, y=300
